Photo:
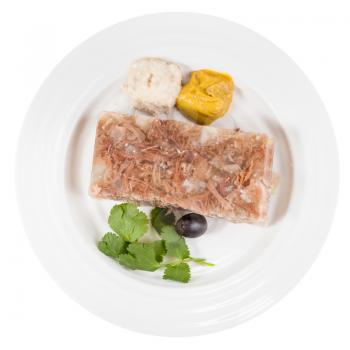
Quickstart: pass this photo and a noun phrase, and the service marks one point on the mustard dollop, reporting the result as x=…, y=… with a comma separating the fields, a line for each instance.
x=206, y=97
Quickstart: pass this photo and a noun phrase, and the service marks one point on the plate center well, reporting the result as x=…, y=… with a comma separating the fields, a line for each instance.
x=231, y=247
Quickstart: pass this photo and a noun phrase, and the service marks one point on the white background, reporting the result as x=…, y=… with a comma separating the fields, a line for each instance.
x=34, y=313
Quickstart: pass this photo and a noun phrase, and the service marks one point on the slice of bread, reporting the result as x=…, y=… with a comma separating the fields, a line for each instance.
x=153, y=85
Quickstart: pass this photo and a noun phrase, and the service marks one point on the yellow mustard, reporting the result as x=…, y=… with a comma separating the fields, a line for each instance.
x=206, y=97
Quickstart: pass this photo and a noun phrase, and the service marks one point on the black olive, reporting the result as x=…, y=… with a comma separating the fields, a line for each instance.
x=191, y=225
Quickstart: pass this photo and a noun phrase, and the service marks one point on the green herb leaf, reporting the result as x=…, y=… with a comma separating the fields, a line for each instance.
x=143, y=256
x=161, y=217
x=200, y=261
x=159, y=250
x=112, y=245
x=174, y=243
x=180, y=273
x=129, y=222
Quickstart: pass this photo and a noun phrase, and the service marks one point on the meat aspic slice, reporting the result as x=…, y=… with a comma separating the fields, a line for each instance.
x=211, y=171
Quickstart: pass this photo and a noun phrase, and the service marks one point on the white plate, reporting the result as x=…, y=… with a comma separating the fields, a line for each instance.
x=255, y=266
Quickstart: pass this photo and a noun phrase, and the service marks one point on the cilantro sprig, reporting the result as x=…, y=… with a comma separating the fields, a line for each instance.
x=143, y=256
x=128, y=221
x=175, y=244
x=170, y=251
x=161, y=217
x=180, y=272
x=112, y=245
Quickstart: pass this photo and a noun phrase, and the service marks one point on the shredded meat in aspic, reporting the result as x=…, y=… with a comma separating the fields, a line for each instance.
x=210, y=171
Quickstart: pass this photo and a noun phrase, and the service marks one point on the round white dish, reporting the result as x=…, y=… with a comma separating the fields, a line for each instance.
x=254, y=266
